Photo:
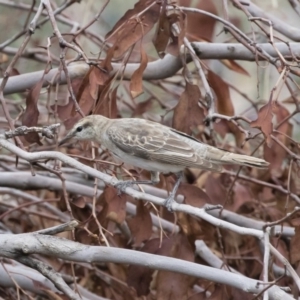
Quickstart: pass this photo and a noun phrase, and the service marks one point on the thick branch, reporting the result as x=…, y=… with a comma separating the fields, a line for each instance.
x=159, y=69
x=68, y=250
x=287, y=30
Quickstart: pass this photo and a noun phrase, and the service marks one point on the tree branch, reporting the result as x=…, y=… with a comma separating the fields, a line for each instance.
x=159, y=69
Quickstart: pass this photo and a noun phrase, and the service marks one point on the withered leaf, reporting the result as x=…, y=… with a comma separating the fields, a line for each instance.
x=107, y=102
x=193, y=195
x=176, y=246
x=165, y=40
x=241, y=197
x=264, y=121
x=176, y=39
x=171, y=285
x=78, y=201
x=162, y=34
x=215, y=189
x=140, y=277
x=87, y=91
x=276, y=154
x=136, y=82
x=14, y=72
x=90, y=88
x=221, y=89
x=64, y=111
x=84, y=96
x=67, y=113
x=130, y=28
x=187, y=112
x=142, y=107
x=224, y=106
x=295, y=244
x=31, y=114
x=234, y=66
x=140, y=225
x=106, y=63
x=116, y=205
x=97, y=79
x=200, y=26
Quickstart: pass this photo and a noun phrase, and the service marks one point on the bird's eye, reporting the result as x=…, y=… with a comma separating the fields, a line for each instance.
x=79, y=128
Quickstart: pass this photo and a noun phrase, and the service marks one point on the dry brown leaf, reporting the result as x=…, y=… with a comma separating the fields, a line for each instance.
x=240, y=294
x=81, y=88
x=276, y=213
x=87, y=91
x=176, y=41
x=107, y=103
x=198, y=296
x=64, y=111
x=295, y=246
x=14, y=72
x=84, y=97
x=190, y=226
x=241, y=196
x=281, y=246
x=188, y=113
x=106, y=62
x=171, y=285
x=142, y=107
x=215, y=189
x=223, y=292
x=116, y=205
x=221, y=89
x=275, y=155
x=200, y=26
x=97, y=79
x=165, y=40
x=253, y=268
x=234, y=66
x=224, y=106
x=78, y=201
x=31, y=114
x=193, y=195
x=140, y=225
x=136, y=82
x=106, y=99
x=130, y=29
x=264, y=121
x=118, y=288
x=139, y=277
x=163, y=32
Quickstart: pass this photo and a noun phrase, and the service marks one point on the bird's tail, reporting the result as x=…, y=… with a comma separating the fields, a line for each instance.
x=244, y=160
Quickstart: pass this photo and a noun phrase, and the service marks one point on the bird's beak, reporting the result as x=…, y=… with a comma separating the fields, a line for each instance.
x=68, y=137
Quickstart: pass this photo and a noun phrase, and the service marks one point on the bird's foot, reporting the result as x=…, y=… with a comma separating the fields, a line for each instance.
x=168, y=203
x=122, y=185
x=208, y=207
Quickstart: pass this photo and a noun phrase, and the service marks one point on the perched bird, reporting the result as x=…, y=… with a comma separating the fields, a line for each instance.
x=155, y=147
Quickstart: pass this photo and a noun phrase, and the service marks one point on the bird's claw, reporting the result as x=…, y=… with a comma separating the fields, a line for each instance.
x=122, y=185
x=208, y=207
x=168, y=203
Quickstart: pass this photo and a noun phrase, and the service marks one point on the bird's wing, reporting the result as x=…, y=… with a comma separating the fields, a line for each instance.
x=157, y=143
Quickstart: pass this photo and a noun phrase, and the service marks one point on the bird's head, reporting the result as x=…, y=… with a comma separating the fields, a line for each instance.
x=83, y=130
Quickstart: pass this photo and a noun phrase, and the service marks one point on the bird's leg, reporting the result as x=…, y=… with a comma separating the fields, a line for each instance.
x=122, y=185
x=168, y=202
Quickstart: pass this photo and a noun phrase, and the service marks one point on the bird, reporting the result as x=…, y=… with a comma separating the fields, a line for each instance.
x=155, y=147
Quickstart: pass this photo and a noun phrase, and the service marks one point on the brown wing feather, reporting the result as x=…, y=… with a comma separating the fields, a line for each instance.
x=152, y=141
